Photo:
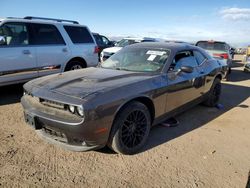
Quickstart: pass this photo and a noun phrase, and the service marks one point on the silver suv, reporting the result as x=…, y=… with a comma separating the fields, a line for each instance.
x=32, y=47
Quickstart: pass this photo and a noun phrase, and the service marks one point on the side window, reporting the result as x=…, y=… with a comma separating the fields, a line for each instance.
x=105, y=40
x=98, y=40
x=199, y=57
x=185, y=58
x=45, y=34
x=15, y=34
x=79, y=35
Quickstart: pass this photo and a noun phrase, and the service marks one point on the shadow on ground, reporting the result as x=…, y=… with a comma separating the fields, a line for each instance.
x=238, y=75
x=11, y=94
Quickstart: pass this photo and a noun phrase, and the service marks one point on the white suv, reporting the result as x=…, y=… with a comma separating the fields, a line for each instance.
x=32, y=47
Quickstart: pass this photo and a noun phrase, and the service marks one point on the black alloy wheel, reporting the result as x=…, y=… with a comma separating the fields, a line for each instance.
x=130, y=128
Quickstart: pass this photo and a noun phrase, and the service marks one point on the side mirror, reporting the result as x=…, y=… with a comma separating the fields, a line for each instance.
x=2, y=40
x=186, y=69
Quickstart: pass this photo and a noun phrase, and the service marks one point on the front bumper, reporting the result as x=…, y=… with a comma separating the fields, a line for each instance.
x=61, y=128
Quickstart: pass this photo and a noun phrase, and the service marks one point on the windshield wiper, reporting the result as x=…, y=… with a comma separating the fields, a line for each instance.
x=120, y=68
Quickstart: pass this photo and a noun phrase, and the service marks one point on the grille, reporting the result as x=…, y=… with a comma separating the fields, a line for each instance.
x=56, y=135
x=53, y=104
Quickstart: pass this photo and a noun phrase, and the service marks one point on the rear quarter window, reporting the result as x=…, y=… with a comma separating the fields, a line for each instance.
x=79, y=35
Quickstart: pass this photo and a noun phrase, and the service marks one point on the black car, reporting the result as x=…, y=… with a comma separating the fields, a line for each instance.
x=102, y=42
x=117, y=103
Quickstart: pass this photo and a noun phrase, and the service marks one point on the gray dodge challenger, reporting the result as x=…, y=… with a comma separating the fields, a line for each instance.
x=116, y=103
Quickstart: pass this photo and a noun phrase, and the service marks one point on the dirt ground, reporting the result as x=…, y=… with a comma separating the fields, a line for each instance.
x=210, y=148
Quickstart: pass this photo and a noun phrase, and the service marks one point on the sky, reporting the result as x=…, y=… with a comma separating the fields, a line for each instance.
x=193, y=20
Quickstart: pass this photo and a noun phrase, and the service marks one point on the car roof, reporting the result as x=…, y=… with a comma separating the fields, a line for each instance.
x=171, y=46
x=12, y=19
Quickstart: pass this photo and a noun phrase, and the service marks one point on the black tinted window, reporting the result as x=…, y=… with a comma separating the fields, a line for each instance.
x=44, y=34
x=79, y=35
x=98, y=40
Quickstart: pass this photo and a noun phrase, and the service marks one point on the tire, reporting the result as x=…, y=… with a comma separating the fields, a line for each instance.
x=74, y=65
x=130, y=129
x=214, y=94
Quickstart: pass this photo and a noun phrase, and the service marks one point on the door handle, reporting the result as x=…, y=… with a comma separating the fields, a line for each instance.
x=26, y=52
x=202, y=72
x=64, y=50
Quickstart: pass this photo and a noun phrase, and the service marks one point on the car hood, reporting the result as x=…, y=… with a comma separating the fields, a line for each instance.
x=112, y=49
x=84, y=82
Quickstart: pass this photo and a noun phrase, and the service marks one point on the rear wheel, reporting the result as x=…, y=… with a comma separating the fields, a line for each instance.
x=74, y=65
x=130, y=129
x=214, y=94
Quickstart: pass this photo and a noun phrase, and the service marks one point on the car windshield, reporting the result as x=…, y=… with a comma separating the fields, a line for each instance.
x=137, y=60
x=212, y=45
x=126, y=42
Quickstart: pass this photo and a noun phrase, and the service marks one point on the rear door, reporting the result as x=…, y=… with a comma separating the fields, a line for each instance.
x=183, y=87
x=17, y=56
x=52, y=52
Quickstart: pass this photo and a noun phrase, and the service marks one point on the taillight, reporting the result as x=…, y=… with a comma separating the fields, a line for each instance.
x=97, y=50
x=224, y=56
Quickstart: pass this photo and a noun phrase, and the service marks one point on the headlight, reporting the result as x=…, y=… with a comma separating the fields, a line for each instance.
x=72, y=109
x=80, y=111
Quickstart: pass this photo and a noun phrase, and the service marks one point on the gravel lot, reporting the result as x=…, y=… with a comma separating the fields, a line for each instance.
x=210, y=148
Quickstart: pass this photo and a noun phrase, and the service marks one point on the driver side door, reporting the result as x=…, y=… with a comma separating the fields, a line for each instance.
x=183, y=87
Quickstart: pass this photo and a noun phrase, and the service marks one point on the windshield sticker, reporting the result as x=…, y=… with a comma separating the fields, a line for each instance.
x=152, y=52
x=151, y=57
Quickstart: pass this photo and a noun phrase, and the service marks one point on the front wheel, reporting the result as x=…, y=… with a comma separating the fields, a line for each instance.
x=130, y=129
x=214, y=93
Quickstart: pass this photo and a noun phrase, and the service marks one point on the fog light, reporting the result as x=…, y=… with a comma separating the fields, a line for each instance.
x=80, y=111
x=72, y=109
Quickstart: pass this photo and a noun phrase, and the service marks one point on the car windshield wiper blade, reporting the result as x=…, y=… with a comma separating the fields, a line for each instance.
x=122, y=68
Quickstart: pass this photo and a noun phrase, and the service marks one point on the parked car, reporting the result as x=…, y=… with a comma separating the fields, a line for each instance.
x=241, y=51
x=121, y=44
x=32, y=47
x=218, y=49
x=116, y=103
x=102, y=42
x=248, y=51
x=247, y=65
